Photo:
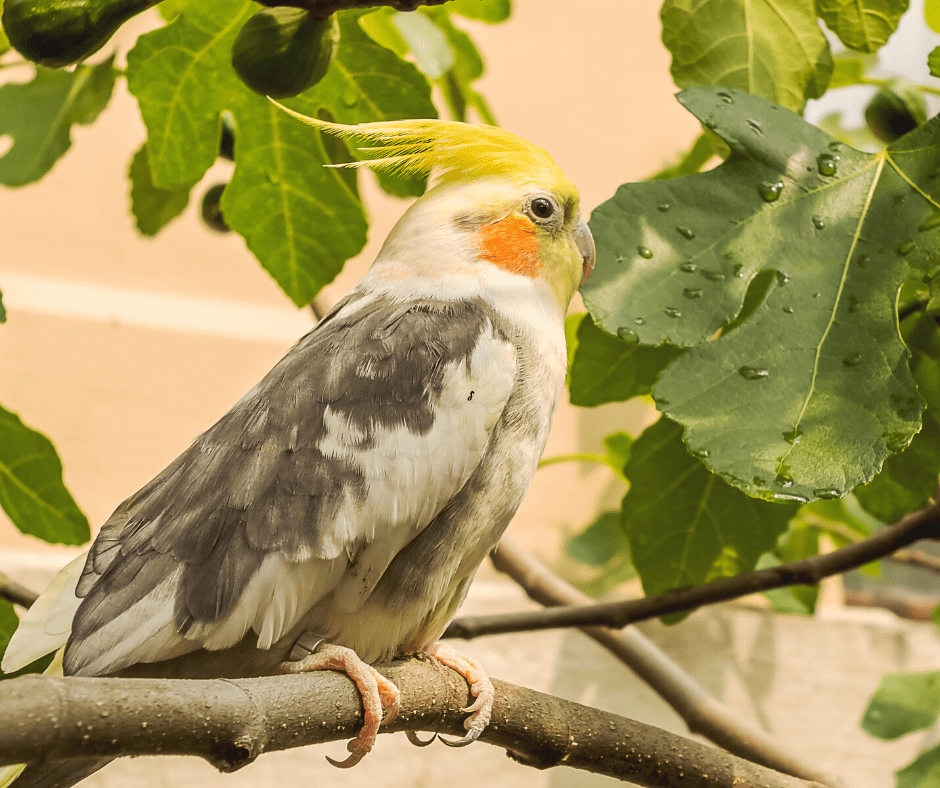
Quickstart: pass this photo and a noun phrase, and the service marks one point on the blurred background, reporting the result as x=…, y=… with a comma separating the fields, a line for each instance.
x=122, y=349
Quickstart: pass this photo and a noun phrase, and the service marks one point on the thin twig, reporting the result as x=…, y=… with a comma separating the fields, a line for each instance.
x=13, y=592
x=923, y=524
x=702, y=713
x=231, y=722
x=916, y=558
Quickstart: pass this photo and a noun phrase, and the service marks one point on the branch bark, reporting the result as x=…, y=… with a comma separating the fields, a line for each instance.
x=231, y=722
x=13, y=592
x=702, y=713
x=923, y=524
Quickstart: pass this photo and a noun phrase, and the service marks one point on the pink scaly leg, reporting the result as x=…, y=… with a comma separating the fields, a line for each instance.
x=480, y=687
x=378, y=693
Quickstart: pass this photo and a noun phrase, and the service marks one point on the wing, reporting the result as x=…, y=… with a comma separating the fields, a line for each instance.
x=310, y=484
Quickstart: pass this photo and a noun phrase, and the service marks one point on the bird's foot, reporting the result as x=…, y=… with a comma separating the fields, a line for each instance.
x=378, y=693
x=480, y=687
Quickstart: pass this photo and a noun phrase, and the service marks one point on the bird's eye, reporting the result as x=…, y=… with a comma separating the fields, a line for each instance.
x=542, y=207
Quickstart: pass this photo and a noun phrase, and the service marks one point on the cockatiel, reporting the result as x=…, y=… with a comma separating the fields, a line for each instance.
x=348, y=499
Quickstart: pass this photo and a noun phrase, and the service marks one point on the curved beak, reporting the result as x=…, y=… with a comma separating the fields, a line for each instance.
x=585, y=243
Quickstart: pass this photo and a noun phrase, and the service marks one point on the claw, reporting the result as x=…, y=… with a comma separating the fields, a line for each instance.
x=480, y=687
x=470, y=738
x=378, y=694
x=417, y=742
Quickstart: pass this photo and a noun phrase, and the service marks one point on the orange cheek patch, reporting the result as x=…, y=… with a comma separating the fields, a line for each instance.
x=511, y=244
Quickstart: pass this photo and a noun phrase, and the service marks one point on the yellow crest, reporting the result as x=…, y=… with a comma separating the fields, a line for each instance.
x=453, y=151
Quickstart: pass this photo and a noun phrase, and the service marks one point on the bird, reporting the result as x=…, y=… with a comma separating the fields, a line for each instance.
x=335, y=516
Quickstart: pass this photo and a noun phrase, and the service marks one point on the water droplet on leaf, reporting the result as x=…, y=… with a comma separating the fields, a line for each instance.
x=793, y=436
x=819, y=223
x=627, y=335
x=906, y=248
x=754, y=126
x=816, y=295
x=770, y=192
x=782, y=278
x=672, y=311
x=835, y=145
x=725, y=97
x=688, y=268
x=783, y=477
x=350, y=97
x=639, y=321
x=753, y=373
x=685, y=232
x=692, y=292
x=664, y=206
x=620, y=258
x=852, y=360
x=828, y=163
x=701, y=454
x=758, y=481
x=781, y=498
x=644, y=252
x=788, y=310
x=931, y=223
x=862, y=259
x=739, y=271
x=714, y=276
x=853, y=304
x=711, y=123
x=827, y=494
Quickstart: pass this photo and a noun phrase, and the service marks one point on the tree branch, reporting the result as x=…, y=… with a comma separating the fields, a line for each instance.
x=231, y=722
x=923, y=524
x=13, y=592
x=702, y=713
x=323, y=8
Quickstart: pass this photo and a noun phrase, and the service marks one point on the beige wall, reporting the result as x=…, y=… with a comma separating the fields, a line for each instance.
x=123, y=348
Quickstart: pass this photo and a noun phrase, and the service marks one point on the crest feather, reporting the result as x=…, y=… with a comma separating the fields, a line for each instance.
x=453, y=151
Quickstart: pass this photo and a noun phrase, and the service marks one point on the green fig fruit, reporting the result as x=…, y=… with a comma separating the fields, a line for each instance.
x=283, y=51
x=55, y=33
x=896, y=109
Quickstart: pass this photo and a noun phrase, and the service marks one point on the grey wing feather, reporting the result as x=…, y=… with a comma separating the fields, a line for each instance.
x=267, y=479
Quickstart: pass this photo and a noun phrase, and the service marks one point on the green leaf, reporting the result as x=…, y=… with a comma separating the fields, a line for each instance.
x=427, y=42
x=773, y=50
x=850, y=68
x=903, y=703
x=153, y=207
x=597, y=544
x=606, y=368
x=923, y=771
x=301, y=221
x=572, y=324
x=685, y=524
x=815, y=412
x=31, y=489
x=456, y=84
x=8, y=624
x=617, y=447
x=39, y=116
x=3, y=311
x=482, y=10
x=862, y=25
x=933, y=62
x=4, y=41
x=691, y=161
x=796, y=544
x=171, y=9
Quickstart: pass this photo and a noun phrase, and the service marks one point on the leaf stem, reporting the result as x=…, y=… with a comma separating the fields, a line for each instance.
x=575, y=457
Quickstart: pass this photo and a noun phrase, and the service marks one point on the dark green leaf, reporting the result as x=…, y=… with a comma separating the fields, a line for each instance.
x=8, y=624
x=170, y=9
x=4, y=41
x=302, y=221
x=153, y=207
x=849, y=68
x=609, y=369
x=685, y=524
x=933, y=62
x=769, y=49
x=858, y=137
x=3, y=311
x=31, y=489
x=39, y=116
x=483, y=10
x=862, y=25
x=457, y=84
x=572, y=324
x=815, y=412
x=903, y=703
x=597, y=544
x=923, y=771
x=426, y=41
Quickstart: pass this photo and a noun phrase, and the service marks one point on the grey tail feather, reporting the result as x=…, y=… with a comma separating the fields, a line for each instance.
x=62, y=774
